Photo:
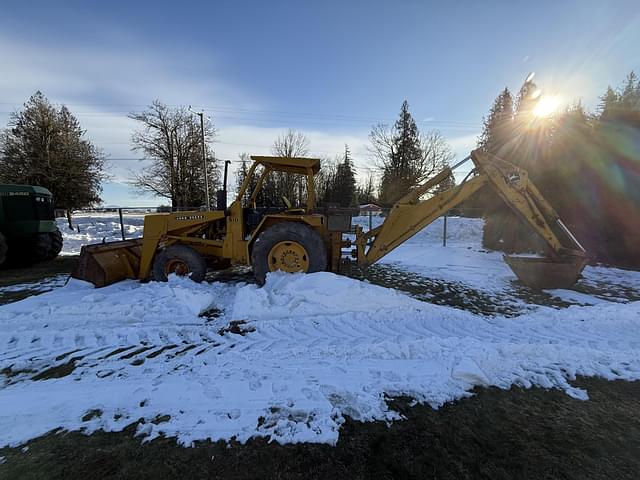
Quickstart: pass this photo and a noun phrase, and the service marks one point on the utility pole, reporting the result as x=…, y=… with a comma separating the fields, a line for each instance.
x=204, y=158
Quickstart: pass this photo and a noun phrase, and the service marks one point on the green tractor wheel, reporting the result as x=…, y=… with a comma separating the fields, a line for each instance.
x=56, y=244
x=41, y=247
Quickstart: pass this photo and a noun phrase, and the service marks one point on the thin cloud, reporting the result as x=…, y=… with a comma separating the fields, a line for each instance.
x=102, y=83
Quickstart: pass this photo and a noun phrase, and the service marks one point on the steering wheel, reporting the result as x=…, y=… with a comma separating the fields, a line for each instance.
x=286, y=202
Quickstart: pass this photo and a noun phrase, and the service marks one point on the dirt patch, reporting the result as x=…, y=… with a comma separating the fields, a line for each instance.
x=514, y=300
x=91, y=414
x=19, y=283
x=57, y=371
x=438, y=291
x=63, y=264
x=237, y=327
x=496, y=434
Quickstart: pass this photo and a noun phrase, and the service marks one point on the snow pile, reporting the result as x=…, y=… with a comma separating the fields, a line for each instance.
x=94, y=228
x=313, y=349
x=319, y=294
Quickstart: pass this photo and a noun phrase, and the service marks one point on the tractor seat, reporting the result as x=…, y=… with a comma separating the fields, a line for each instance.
x=296, y=211
x=290, y=210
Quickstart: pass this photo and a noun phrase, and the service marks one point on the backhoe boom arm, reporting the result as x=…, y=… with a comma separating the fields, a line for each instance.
x=410, y=214
x=407, y=218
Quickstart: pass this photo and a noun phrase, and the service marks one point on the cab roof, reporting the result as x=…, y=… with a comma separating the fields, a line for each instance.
x=11, y=188
x=289, y=164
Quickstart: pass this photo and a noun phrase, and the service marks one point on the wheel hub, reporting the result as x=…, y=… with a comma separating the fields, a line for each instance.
x=288, y=257
x=176, y=266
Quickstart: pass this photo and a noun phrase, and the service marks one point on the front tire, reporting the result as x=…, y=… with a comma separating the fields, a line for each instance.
x=182, y=260
x=41, y=247
x=56, y=244
x=290, y=247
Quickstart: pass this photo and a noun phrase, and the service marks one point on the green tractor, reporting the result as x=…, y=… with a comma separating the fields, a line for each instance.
x=28, y=230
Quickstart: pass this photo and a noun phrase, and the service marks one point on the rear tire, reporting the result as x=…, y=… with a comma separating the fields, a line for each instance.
x=305, y=243
x=56, y=244
x=182, y=260
x=3, y=249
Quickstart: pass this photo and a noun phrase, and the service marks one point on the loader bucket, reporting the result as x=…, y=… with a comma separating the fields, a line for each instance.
x=106, y=263
x=544, y=273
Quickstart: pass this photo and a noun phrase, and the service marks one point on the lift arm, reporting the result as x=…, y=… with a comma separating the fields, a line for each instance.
x=410, y=214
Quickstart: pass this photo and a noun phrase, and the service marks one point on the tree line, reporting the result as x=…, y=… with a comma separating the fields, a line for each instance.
x=587, y=164
x=45, y=145
x=400, y=155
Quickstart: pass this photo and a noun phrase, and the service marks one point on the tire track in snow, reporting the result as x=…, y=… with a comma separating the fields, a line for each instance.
x=299, y=370
x=303, y=334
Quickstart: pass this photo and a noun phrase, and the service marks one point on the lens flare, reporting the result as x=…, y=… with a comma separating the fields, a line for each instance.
x=546, y=106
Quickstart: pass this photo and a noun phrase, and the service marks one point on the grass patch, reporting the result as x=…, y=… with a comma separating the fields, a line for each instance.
x=517, y=433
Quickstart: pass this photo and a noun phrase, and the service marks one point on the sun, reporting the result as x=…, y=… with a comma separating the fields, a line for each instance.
x=546, y=106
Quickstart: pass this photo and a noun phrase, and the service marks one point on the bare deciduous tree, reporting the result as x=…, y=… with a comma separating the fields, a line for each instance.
x=291, y=144
x=171, y=138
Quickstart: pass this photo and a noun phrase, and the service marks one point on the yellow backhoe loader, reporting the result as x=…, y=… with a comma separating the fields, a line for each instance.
x=305, y=239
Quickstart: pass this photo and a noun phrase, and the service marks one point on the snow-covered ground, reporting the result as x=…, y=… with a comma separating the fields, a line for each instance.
x=465, y=262
x=312, y=349
x=318, y=347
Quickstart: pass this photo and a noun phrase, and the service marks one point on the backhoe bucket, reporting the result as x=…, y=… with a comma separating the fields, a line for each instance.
x=106, y=263
x=545, y=273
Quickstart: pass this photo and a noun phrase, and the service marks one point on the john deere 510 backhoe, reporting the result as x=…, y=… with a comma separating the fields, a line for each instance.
x=308, y=240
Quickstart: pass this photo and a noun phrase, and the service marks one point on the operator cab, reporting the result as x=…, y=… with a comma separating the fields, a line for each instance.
x=255, y=194
x=24, y=203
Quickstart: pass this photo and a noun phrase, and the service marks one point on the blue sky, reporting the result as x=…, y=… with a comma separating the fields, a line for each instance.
x=331, y=69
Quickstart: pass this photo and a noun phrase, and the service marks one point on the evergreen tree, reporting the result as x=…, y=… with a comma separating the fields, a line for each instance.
x=497, y=128
x=497, y=135
x=517, y=136
x=527, y=96
x=46, y=146
x=610, y=171
x=399, y=173
x=630, y=97
x=608, y=103
x=344, y=185
x=405, y=157
x=531, y=136
x=586, y=166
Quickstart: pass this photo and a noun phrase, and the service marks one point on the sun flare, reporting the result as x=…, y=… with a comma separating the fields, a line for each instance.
x=546, y=106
